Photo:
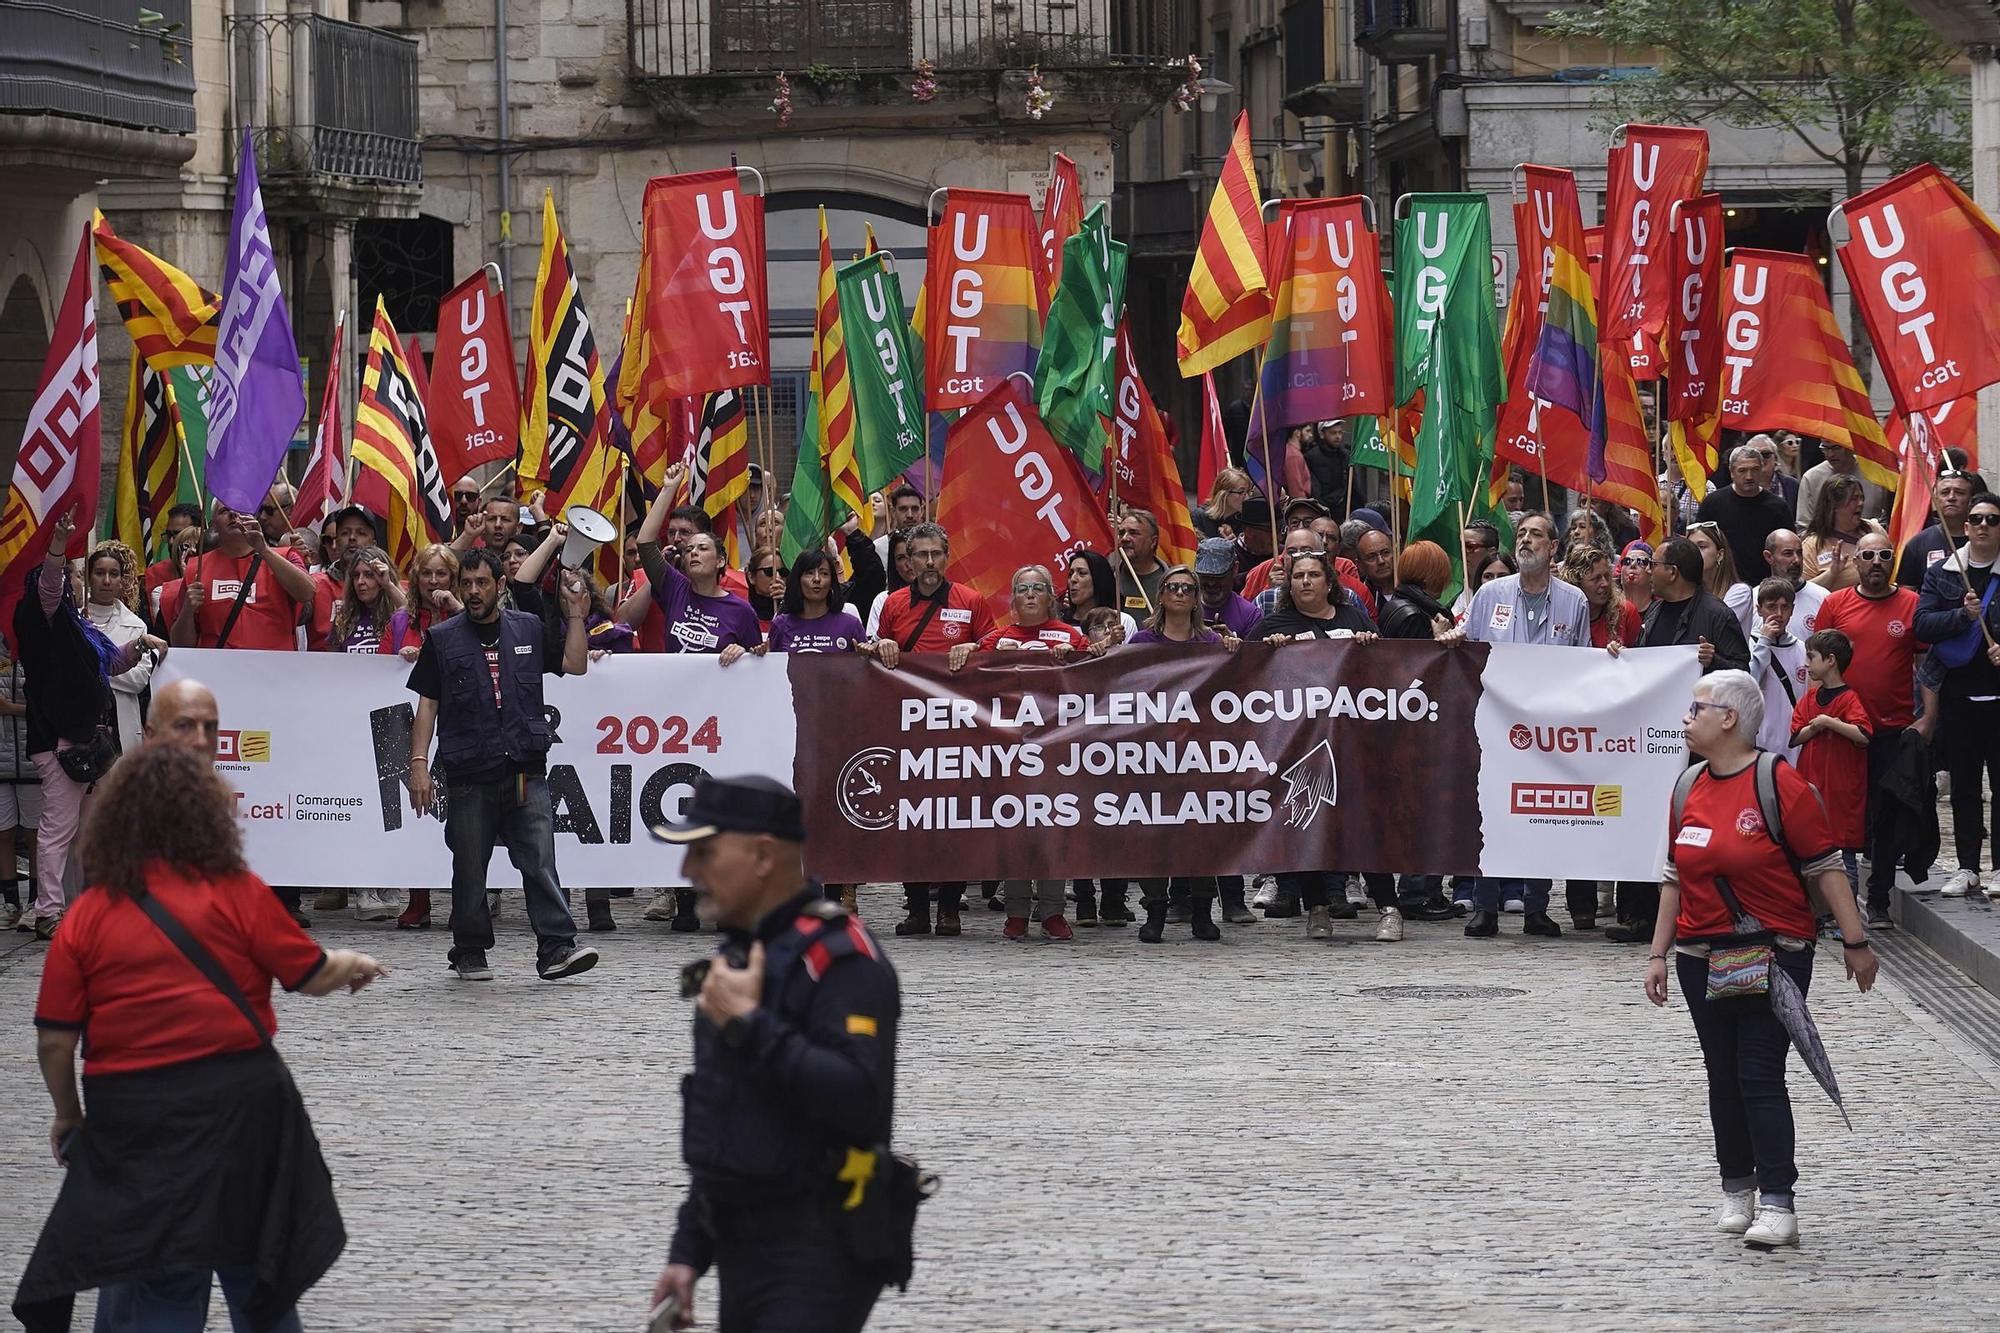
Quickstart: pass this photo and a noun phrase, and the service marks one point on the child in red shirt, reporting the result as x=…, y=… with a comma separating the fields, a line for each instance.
x=1830, y=727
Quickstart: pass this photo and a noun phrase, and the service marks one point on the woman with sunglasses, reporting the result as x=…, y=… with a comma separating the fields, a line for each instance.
x=1177, y=620
x=1956, y=600
x=1635, y=576
x=767, y=584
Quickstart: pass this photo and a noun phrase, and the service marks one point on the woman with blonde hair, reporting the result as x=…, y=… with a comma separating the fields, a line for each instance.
x=433, y=574
x=1232, y=487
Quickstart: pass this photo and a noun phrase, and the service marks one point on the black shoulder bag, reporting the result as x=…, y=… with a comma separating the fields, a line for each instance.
x=205, y=963
x=930, y=614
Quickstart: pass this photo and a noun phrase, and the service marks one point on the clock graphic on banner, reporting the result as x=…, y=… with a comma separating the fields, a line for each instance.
x=863, y=790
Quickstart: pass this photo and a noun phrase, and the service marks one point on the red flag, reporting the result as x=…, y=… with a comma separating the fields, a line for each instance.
x=1062, y=218
x=1655, y=166
x=1692, y=397
x=56, y=469
x=1786, y=363
x=1012, y=496
x=1142, y=463
x=984, y=321
x=475, y=401
x=1950, y=425
x=420, y=374
x=1924, y=263
x=1214, y=440
x=324, y=487
x=708, y=312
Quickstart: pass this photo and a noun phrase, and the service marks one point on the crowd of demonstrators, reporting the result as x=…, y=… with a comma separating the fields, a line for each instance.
x=1745, y=512
x=1957, y=617
x=1832, y=531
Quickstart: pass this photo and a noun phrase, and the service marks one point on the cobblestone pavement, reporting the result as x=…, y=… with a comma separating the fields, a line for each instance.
x=1234, y=1136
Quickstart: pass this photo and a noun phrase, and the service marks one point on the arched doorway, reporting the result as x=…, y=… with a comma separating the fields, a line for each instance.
x=24, y=344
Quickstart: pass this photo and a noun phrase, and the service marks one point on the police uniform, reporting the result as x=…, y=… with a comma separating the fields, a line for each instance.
x=785, y=1105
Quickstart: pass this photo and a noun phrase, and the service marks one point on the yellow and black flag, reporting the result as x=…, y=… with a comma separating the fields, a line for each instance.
x=566, y=440
x=171, y=318
x=395, y=468
x=148, y=460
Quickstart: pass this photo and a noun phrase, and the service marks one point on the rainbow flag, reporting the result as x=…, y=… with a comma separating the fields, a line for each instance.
x=1564, y=369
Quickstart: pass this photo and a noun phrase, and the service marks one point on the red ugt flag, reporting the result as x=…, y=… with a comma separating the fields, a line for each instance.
x=475, y=399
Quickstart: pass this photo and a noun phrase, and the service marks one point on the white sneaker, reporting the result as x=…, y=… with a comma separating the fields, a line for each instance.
x=662, y=906
x=10, y=916
x=1514, y=905
x=1737, y=1208
x=1319, y=924
x=1772, y=1227
x=1390, y=929
x=1267, y=892
x=376, y=905
x=1960, y=883
x=1993, y=884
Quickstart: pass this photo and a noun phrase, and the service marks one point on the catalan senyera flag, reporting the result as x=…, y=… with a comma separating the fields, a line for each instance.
x=171, y=318
x=1227, y=309
x=149, y=462
x=390, y=435
x=566, y=448
x=833, y=389
x=1620, y=447
x=726, y=476
x=1791, y=368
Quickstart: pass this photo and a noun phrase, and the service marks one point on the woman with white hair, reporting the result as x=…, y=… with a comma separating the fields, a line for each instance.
x=1746, y=834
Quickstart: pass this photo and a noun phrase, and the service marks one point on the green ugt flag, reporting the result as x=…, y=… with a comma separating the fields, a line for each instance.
x=1448, y=345
x=1078, y=361
x=190, y=388
x=809, y=519
x=883, y=369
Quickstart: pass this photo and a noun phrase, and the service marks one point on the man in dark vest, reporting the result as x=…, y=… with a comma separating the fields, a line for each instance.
x=478, y=681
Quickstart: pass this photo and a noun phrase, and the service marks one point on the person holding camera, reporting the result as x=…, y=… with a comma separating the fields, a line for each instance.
x=794, y=1198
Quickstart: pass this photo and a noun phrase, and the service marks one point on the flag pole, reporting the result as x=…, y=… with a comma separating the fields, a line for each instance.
x=1264, y=442
x=1913, y=423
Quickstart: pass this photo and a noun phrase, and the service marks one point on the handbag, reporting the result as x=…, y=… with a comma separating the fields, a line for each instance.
x=88, y=762
x=1741, y=969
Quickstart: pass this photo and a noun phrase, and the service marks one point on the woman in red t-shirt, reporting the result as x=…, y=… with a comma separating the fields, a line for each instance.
x=190, y=1152
x=1720, y=842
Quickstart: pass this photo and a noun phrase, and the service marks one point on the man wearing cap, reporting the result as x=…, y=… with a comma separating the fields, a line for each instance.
x=1215, y=570
x=788, y=1110
x=353, y=532
x=478, y=681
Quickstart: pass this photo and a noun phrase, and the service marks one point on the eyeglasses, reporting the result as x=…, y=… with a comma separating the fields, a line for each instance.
x=1982, y=520
x=1028, y=589
x=777, y=571
x=1634, y=562
x=1704, y=527
x=1178, y=589
x=1874, y=555
x=1957, y=474
x=1694, y=709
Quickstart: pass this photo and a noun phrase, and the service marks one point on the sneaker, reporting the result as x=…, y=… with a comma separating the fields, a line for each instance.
x=662, y=906
x=1086, y=912
x=1238, y=914
x=1737, y=1208
x=45, y=927
x=1960, y=883
x=471, y=966
x=1267, y=892
x=331, y=900
x=1829, y=929
x=1773, y=1226
x=1879, y=919
x=1389, y=929
x=1114, y=912
x=1514, y=906
x=1015, y=929
x=1179, y=914
x=10, y=916
x=376, y=905
x=1057, y=928
x=25, y=922
x=1993, y=884
x=1319, y=924
x=567, y=962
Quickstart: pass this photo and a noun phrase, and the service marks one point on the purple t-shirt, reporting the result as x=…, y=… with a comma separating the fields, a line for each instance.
x=1154, y=636
x=835, y=632
x=1236, y=615
x=698, y=624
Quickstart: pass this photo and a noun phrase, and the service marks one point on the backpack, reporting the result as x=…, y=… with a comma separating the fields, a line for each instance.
x=1768, y=806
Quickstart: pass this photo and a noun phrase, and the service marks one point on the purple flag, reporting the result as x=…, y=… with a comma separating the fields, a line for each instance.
x=257, y=397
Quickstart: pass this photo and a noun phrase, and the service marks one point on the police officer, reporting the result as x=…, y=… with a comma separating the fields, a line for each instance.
x=478, y=681
x=794, y=1074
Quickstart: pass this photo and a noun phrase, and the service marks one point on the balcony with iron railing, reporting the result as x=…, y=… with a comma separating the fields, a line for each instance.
x=107, y=85
x=861, y=59
x=1401, y=32
x=1319, y=82
x=331, y=108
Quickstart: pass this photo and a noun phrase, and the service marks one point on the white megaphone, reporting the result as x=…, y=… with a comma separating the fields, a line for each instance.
x=588, y=530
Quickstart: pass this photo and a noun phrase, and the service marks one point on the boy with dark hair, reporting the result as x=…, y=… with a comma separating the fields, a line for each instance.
x=1830, y=728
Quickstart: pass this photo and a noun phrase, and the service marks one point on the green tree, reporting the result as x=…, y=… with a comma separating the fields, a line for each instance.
x=1861, y=83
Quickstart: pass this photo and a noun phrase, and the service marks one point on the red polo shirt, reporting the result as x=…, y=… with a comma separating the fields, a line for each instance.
x=962, y=618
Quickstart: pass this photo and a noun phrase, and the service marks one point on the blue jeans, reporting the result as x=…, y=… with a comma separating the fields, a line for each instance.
x=1488, y=893
x=1313, y=887
x=179, y=1304
x=1744, y=1045
x=482, y=815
